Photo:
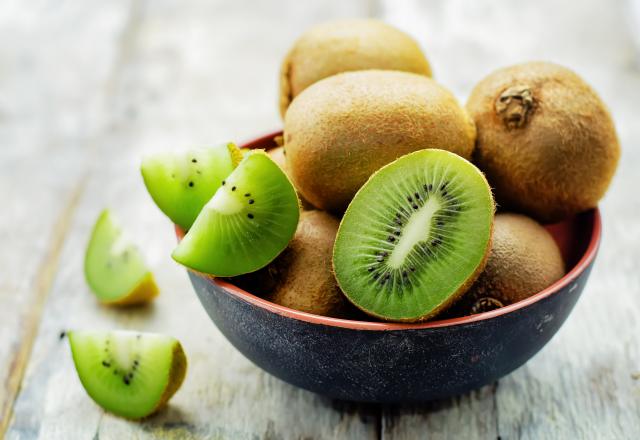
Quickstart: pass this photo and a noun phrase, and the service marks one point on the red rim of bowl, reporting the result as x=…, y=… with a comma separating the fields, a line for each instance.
x=570, y=277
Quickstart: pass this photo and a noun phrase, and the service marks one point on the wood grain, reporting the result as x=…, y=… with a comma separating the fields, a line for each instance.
x=45, y=112
x=177, y=80
x=582, y=384
x=87, y=87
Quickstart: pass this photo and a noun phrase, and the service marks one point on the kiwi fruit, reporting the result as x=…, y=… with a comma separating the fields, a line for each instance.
x=546, y=141
x=524, y=260
x=415, y=236
x=181, y=183
x=129, y=374
x=343, y=128
x=301, y=277
x=114, y=267
x=246, y=224
x=347, y=45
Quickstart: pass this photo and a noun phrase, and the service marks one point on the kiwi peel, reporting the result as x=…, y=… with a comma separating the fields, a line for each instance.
x=246, y=224
x=114, y=267
x=342, y=129
x=523, y=261
x=128, y=373
x=347, y=45
x=546, y=141
x=415, y=237
x=301, y=277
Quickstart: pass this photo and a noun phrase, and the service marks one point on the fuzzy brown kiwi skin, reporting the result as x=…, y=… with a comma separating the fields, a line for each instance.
x=301, y=278
x=278, y=156
x=347, y=45
x=343, y=128
x=545, y=140
x=455, y=297
x=524, y=260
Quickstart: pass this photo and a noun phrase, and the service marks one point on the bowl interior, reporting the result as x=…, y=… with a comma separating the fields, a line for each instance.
x=577, y=237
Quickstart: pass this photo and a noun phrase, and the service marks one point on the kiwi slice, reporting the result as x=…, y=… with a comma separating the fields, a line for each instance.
x=181, y=183
x=114, y=267
x=127, y=373
x=246, y=224
x=415, y=236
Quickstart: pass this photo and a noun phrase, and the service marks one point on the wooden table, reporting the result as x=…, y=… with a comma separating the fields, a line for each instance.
x=87, y=87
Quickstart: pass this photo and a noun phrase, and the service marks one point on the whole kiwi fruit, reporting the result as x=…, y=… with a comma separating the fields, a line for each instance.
x=347, y=45
x=343, y=128
x=301, y=277
x=524, y=259
x=546, y=141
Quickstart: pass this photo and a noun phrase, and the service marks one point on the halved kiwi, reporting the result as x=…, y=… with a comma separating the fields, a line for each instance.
x=247, y=223
x=114, y=267
x=181, y=183
x=130, y=374
x=415, y=236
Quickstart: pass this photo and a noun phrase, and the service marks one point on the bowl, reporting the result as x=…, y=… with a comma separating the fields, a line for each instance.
x=392, y=362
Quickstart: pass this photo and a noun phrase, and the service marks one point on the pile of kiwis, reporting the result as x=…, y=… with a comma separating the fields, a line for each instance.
x=357, y=96
x=387, y=199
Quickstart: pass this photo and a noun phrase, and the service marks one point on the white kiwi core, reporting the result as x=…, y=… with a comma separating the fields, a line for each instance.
x=417, y=229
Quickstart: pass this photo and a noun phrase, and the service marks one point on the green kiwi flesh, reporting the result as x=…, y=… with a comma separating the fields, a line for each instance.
x=246, y=224
x=181, y=183
x=127, y=373
x=114, y=267
x=415, y=236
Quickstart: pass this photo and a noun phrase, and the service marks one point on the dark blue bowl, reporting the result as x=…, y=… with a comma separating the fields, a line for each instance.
x=385, y=362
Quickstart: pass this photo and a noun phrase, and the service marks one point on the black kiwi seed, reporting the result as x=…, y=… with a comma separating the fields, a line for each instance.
x=106, y=364
x=194, y=160
x=397, y=232
x=430, y=187
x=126, y=380
x=224, y=182
x=233, y=188
x=370, y=269
x=251, y=201
x=250, y=215
x=247, y=195
x=191, y=184
x=417, y=195
x=391, y=238
x=414, y=206
x=409, y=199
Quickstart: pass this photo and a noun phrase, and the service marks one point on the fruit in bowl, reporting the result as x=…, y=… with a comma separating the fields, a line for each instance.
x=362, y=359
x=403, y=284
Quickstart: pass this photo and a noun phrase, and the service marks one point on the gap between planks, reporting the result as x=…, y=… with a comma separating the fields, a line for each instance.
x=47, y=270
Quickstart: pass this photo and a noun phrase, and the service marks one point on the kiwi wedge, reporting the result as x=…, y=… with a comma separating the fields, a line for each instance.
x=128, y=373
x=181, y=183
x=347, y=45
x=415, y=236
x=114, y=267
x=246, y=224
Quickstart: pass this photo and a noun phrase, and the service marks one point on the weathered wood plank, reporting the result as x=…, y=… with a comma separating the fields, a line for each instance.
x=188, y=74
x=584, y=384
x=47, y=109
